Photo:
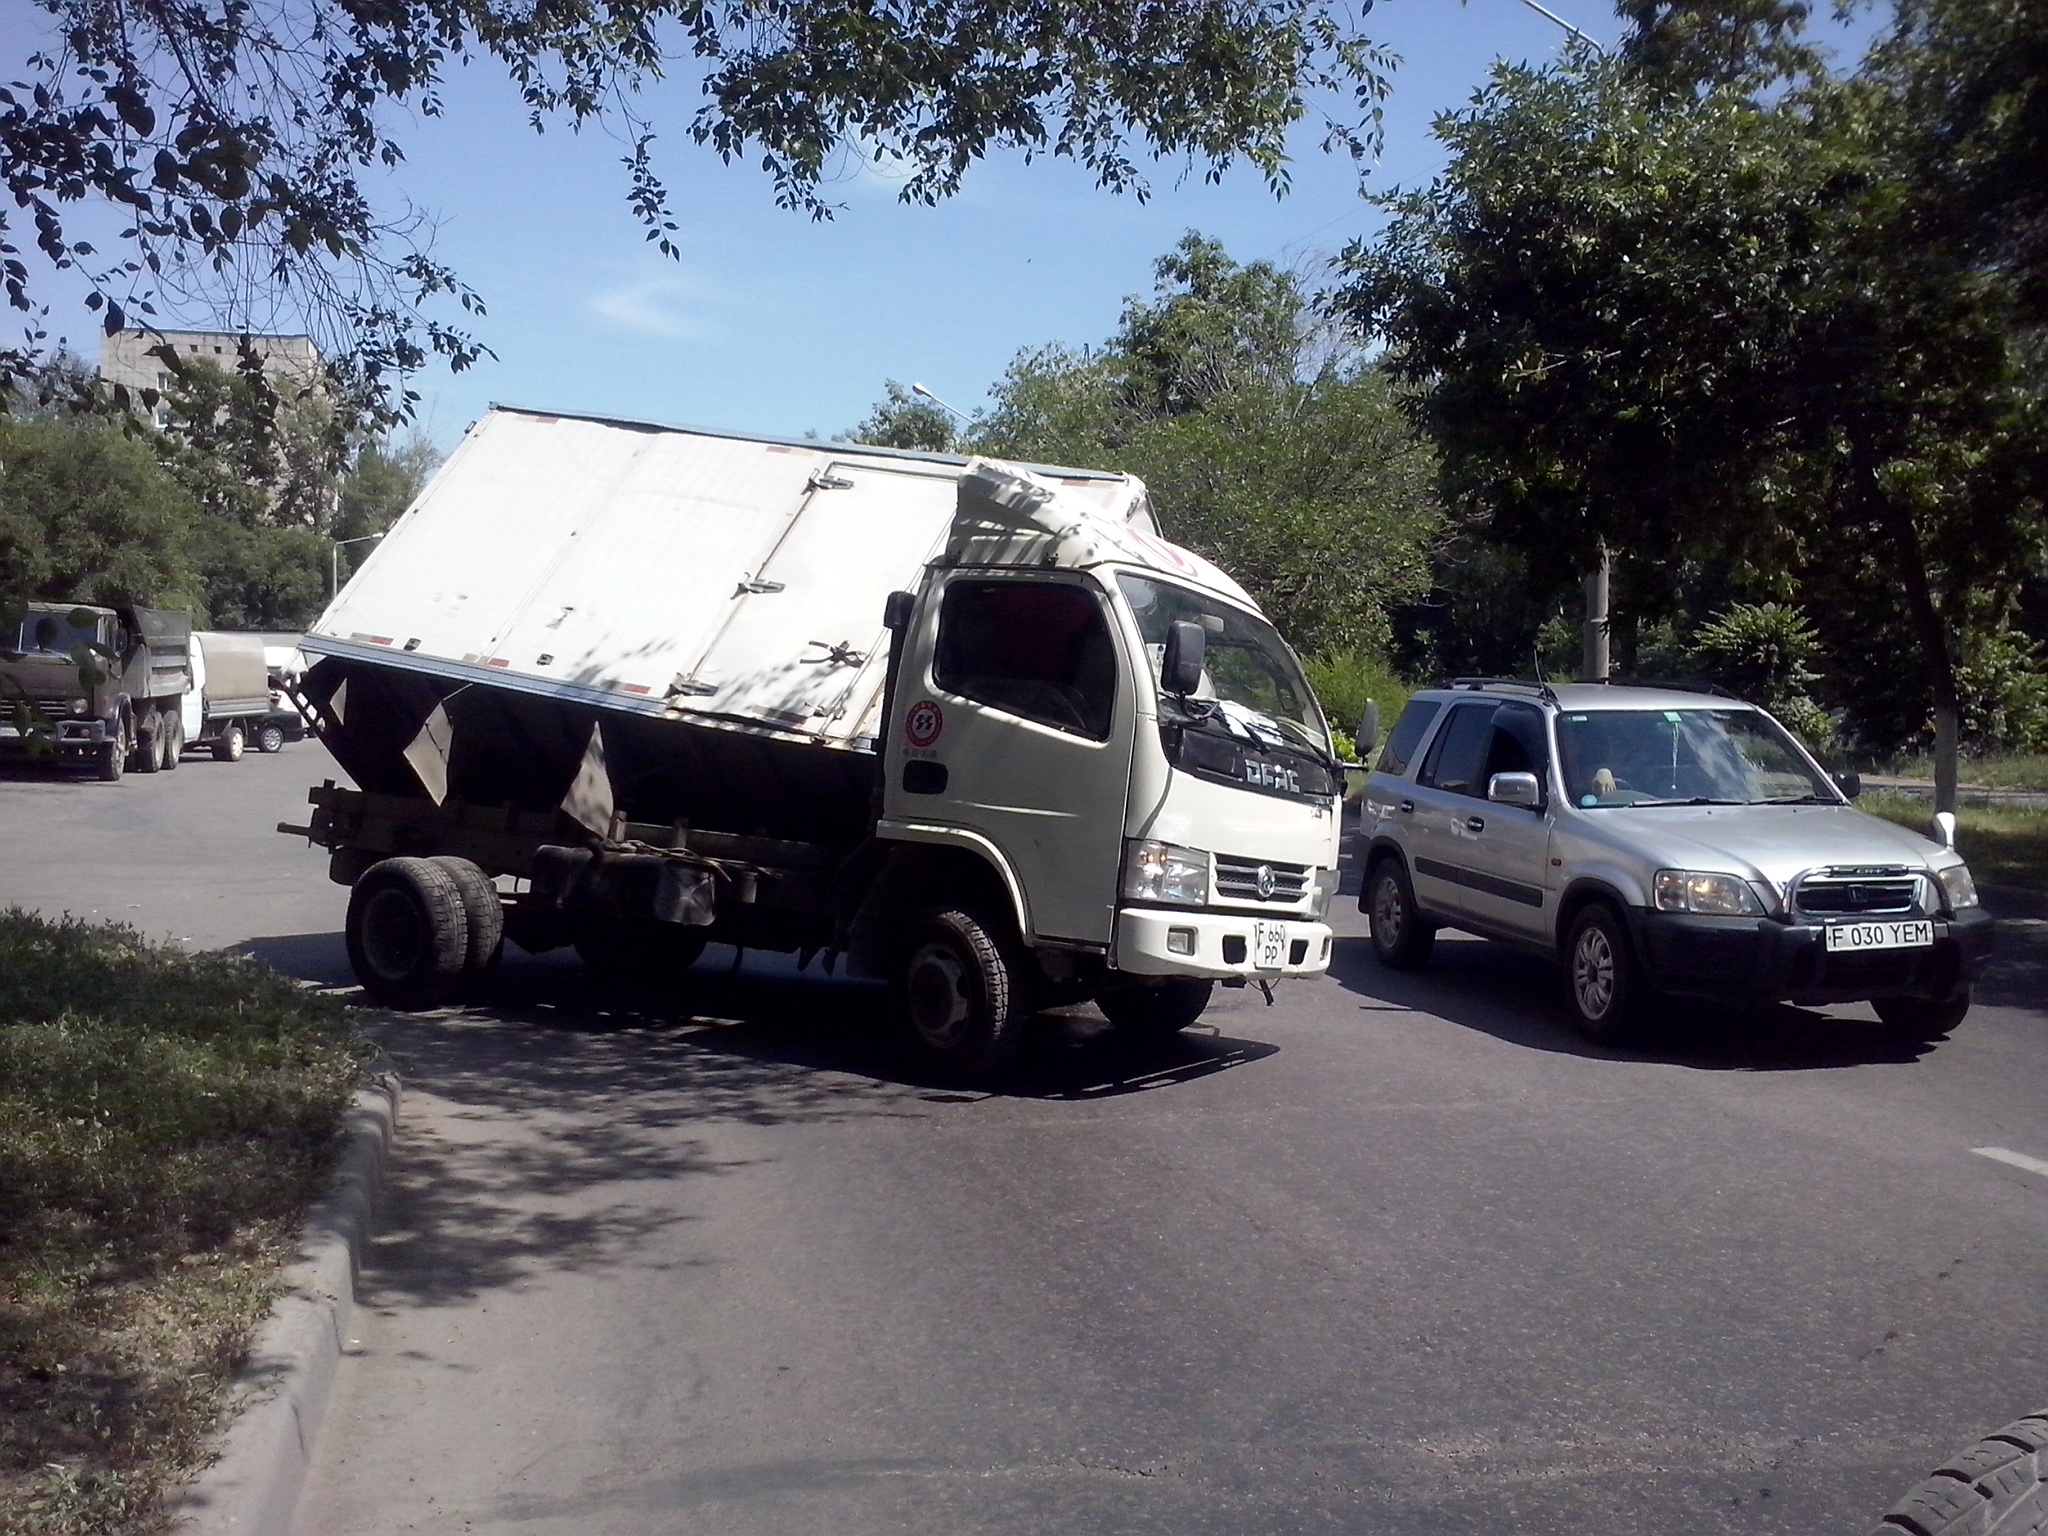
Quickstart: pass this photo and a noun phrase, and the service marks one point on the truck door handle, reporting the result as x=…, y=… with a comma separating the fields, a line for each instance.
x=1407, y=805
x=1475, y=823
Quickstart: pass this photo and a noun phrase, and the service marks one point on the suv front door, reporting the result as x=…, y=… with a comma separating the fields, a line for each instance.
x=1506, y=884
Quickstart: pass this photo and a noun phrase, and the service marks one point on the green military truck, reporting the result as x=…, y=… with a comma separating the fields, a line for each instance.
x=104, y=686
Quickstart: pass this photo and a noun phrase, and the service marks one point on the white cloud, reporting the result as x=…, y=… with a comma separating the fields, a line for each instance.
x=675, y=304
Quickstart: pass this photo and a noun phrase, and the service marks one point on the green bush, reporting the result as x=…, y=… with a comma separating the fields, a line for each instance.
x=1344, y=679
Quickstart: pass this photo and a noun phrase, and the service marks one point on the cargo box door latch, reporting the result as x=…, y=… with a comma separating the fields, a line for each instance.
x=758, y=586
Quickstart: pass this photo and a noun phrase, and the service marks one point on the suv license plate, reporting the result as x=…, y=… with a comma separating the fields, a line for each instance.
x=1910, y=935
x=1269, y=945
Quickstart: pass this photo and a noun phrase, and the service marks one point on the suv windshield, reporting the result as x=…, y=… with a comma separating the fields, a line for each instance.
x=1247, y=668
x=1614, y=757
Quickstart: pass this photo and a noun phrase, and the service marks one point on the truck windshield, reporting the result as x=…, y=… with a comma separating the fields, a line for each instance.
x=1248, y=671
x=55, y=634
x=1616, y=757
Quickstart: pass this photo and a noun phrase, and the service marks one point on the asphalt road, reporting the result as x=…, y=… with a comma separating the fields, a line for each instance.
x=1396, y=1254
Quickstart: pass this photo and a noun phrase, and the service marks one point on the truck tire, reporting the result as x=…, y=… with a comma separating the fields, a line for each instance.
x=270, y=738
x=2000, y=1484
x=149, y=744
x=408, y=936
x=174, y=741
x=641, y=953
x=227, y=746
x=483, y=912
x=1605, y=985
x=113, y=760
x=1401, y=937
x=1156, y=1009
x=1917, y=1020
x=959, y=997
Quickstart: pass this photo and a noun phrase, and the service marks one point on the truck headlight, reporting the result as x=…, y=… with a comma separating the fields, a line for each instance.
x=1325, y=893
x=1165, y=872
x=1957, y=886
x=1706, y=893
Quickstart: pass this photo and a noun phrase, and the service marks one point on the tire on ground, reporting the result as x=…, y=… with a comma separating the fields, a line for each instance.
x=1999, y=1485
x=959, y=996
x=1603, y=982
x=1156, y=1008
x=1401, y=937
x=269, y=737
x=408, y=935
x=482, y=911
x=1920, y=1019
x=149, y=743
x=174, y=740
x=113, y=760
x=227, y=746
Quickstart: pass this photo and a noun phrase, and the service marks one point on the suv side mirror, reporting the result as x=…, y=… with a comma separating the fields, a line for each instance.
x=1850, y=783
x=1180, y=669
x=1515, y=789
x=1367, y=736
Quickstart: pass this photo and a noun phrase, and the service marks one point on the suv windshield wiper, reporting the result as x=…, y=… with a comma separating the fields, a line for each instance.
x=1696, y=800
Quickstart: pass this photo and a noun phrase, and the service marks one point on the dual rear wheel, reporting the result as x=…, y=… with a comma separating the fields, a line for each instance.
x=423, y=930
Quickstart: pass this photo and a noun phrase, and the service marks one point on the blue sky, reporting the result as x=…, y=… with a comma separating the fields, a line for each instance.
x=773, y=323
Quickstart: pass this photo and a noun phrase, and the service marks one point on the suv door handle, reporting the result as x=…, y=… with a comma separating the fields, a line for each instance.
x=1475, y=823
x=1407, y=805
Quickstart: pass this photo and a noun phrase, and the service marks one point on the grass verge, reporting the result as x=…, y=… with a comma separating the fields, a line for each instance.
x=2004, y=845
x=1996, y=772
x=165, y=1119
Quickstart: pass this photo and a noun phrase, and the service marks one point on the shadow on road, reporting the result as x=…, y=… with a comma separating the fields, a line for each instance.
x=1518, y=998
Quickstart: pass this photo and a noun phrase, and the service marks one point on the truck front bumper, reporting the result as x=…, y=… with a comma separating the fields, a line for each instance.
x=1742, y=959
x=1155, y=941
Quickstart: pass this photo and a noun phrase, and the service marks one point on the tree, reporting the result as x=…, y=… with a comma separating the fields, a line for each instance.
x=902, y=420
x=1698, y=326
x=87, y=515
x=1291, y=467
x=234, y=137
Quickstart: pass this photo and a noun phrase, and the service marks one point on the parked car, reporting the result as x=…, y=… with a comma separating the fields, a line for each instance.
x=1658, y=841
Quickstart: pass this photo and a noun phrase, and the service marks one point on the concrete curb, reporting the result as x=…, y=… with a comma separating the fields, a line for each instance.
x=281, y=1396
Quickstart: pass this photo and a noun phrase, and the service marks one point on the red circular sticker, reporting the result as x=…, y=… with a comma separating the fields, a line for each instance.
x=921, y=727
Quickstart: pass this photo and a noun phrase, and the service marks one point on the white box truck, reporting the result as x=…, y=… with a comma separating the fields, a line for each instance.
x=974, y=728
x=229, y=706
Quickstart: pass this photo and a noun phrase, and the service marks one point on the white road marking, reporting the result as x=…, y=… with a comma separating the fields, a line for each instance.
x=2017, y=1159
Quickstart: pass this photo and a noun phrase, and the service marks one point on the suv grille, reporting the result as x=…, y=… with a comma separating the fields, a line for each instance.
x=1246, y=880
x=1832, y=892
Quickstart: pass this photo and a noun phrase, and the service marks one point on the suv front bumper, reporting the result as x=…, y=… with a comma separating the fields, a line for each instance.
x=1215, y=944
x=1758, y=959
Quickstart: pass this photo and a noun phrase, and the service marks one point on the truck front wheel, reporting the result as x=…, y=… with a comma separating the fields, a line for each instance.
x=1157, y=1008
x=113, y=759
x=959, y=996
x=408, y=935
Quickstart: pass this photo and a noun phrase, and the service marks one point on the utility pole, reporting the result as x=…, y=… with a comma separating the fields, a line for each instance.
x=1593, y=655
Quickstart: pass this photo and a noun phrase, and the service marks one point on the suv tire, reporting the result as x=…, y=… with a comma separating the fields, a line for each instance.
x=1401, y=937
x=1920, y=1019
x=1602, y=979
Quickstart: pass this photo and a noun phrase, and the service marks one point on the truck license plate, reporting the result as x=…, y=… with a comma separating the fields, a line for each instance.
x=1916, y=934
x=1269, y=945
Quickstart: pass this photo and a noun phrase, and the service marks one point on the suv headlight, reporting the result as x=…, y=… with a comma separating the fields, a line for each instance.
x=1957, y=886
x=1164, y=872
x=1704, y=892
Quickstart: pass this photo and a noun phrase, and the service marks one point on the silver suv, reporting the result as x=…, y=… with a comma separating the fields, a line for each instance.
x=1658, y=841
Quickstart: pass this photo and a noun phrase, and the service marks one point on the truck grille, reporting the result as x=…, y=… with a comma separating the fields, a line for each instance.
x=1251, y=880
x=1834, y=892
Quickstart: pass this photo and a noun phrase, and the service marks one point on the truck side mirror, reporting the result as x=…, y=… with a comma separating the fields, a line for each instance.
x=896, y=610
x=1367, y=736
x=1180, y=669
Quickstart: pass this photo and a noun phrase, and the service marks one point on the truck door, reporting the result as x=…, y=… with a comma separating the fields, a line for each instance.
x=1012, y=719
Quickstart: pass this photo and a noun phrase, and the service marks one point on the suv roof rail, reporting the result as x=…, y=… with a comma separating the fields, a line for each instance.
x=1542, y=691
x=1675, y=685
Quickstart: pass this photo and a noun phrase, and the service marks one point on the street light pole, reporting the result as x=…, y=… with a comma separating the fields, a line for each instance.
x=919, y=389
x=334, y=562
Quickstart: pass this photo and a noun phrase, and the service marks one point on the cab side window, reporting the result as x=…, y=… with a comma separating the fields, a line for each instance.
x=1457, y=759
x=1036, y=649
